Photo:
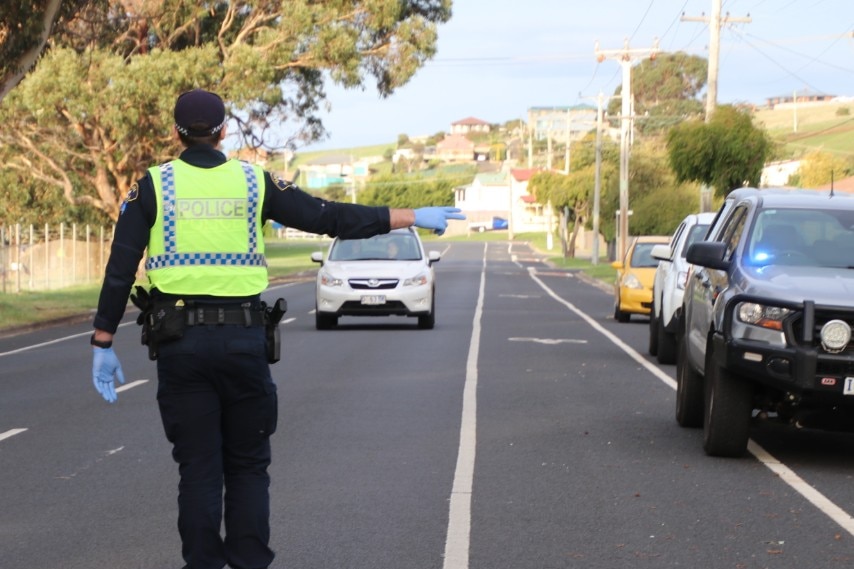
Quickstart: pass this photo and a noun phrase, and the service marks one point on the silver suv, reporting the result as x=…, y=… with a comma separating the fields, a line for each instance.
x=767, y=316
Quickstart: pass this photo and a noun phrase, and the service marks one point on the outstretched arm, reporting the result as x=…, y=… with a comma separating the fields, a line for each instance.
x=435, y=218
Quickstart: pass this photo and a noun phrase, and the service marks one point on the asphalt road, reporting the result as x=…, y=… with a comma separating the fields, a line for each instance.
x=528, y=430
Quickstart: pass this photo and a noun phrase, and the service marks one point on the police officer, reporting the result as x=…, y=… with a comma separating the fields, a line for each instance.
x=200, y=217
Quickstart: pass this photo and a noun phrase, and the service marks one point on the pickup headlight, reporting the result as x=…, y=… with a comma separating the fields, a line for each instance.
x=761, y=322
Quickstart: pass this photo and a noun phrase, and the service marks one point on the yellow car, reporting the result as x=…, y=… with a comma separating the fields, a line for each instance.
x=635, y=277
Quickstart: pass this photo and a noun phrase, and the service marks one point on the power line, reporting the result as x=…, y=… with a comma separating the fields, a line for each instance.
x=811, y=59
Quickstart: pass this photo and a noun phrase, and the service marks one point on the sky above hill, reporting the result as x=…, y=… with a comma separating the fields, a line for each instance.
x=497, y=58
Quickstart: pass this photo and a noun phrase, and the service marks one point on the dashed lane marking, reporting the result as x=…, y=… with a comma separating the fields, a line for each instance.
x=11, y=433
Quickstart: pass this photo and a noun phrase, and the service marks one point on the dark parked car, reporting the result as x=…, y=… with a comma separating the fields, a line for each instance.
x=766, y=318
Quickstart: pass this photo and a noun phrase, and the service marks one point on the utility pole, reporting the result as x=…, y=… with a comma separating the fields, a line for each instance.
x=597, y=185
x=626, y=57
x=568, y=139
x=715, y=24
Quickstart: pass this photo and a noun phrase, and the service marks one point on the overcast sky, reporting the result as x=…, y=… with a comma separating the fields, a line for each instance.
x=497, y=58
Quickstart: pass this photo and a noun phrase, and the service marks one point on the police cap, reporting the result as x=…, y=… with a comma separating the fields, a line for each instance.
x=199, y=113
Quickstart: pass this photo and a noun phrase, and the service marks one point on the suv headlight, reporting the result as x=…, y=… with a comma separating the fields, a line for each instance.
x=417, y=280
x=761, y=322
x=328, y=280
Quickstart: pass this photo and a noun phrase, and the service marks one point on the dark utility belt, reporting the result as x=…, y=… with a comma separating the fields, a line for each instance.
x=213, y=316
x=164, y=320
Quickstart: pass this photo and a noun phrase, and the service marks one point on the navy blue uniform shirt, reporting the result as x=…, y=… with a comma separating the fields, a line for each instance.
x=283, y=202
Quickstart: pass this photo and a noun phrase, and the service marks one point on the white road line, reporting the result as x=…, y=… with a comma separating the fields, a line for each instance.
x=11, y=433
x=56, y=341
x=131, y=385
x=459, y=519
x=787, y=475
x=548, y=341
x=286, y=285
x=286, y=321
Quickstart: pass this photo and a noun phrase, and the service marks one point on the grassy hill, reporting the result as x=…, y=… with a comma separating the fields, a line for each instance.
x=828, y=127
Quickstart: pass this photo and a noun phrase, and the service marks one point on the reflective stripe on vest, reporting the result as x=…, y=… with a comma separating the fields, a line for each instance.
x=172, y=258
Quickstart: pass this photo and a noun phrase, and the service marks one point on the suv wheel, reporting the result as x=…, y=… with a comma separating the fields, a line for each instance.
x=324, y=321
x=428, y=321
x=689, y=390
x=653, y=331
x=666, y=344
x=729, y=406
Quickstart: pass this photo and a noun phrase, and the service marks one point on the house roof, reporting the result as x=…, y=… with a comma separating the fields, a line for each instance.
x=470, y=121
x=492, y=178
x=523, y=174
x=455, y=142
x=844, y=185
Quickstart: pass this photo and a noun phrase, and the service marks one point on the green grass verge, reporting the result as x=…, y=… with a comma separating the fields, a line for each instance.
x=33, y=307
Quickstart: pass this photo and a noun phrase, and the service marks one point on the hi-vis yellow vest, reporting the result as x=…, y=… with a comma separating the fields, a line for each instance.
x=207, y=238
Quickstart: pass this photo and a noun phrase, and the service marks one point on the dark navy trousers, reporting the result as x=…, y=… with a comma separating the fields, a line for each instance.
x=218, y=405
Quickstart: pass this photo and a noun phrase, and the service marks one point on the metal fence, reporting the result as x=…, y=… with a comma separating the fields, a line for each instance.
x=38, y=258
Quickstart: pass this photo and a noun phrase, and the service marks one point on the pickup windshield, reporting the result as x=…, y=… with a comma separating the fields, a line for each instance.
x=802, y=237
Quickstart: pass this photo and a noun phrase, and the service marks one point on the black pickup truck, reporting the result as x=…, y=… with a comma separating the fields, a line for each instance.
x=765, y=327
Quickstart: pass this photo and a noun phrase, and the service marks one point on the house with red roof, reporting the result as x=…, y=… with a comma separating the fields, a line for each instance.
x=470, y=125
x=455, y=148
x=502, y=194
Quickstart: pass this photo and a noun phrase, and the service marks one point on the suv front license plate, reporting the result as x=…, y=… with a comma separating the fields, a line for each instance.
x=848, y=386
x=373, y=299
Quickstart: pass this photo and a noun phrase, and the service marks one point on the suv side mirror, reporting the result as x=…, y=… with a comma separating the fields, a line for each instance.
x=317, y=257
x=661, y=253
x=433, y=257
x=708, y=254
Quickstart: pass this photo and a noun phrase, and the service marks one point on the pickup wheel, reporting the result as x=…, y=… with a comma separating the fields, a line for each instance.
x=666, y=344
x=689, y=390
x=653, y=331
x=729, y=406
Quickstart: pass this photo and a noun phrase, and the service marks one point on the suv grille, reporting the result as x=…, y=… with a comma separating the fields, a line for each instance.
x=373, y=284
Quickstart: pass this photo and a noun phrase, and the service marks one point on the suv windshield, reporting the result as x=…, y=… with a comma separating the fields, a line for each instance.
x=387, y=247
x=802, y=237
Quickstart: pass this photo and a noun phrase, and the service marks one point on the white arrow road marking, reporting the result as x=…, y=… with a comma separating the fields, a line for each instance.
x=548, y=341
x=11, y=433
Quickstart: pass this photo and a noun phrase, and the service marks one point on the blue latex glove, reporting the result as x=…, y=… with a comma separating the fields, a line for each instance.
x=105, y=369
x=436, y=218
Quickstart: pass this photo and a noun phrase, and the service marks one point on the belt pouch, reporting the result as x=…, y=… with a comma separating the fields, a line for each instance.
x=167, y=321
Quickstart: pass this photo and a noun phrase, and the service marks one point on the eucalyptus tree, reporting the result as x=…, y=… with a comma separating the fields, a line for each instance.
x=96, y=110
x=25, y=29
